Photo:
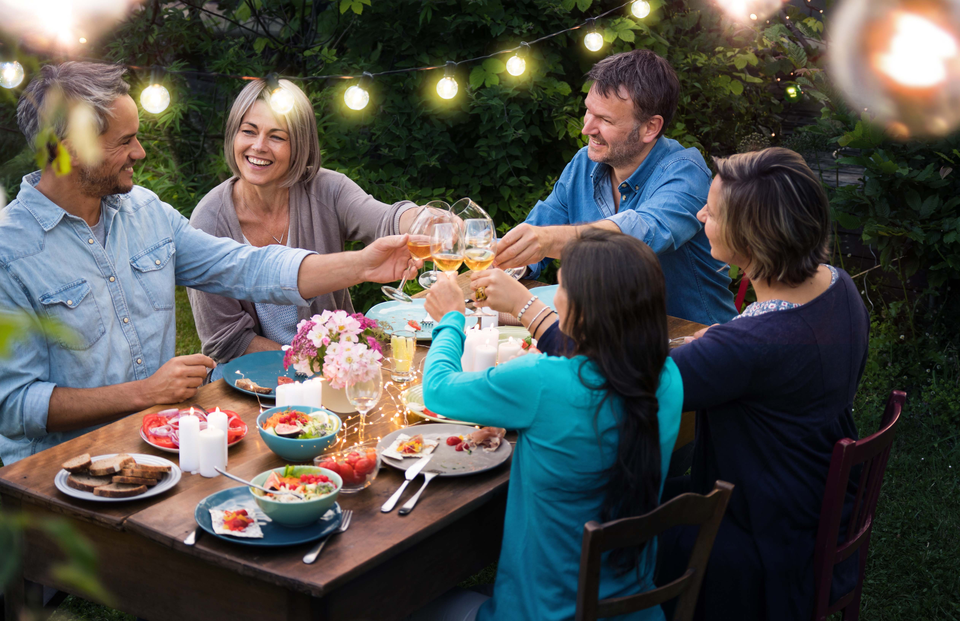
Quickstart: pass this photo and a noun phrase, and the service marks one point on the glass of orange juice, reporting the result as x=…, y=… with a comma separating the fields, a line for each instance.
x=403, y=345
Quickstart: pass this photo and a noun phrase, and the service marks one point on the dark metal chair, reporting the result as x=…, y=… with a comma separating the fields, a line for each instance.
x=686, y=509
x=871, y=453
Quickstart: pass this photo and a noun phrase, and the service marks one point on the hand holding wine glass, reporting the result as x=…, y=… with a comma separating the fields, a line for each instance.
x=418, y=244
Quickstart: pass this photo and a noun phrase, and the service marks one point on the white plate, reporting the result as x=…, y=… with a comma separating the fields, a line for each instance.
x=414, y=394
x=446, y=460
x=169, y=480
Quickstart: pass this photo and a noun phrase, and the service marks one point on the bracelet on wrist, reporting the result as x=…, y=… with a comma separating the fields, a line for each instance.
x=533, y=332
x=545, y=308
x=526, y=306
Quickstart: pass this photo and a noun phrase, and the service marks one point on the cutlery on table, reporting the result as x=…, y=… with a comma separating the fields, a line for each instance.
x=409, y=475
x=192, y=537
x=311, y=556
x=408, y=507
x=263, y=489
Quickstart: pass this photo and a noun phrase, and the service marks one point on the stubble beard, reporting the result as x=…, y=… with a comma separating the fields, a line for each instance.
x=99, y=182
x=622, y=152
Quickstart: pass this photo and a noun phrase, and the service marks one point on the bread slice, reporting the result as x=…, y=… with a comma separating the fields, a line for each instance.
x=147, y=470
x=86, y=483
x=78, y=464
x=120, y=490
x=111, y=465
x=134, y=480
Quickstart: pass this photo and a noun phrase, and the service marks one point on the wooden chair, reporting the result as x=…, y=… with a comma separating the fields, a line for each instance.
x=686, y=509
x=872, y=452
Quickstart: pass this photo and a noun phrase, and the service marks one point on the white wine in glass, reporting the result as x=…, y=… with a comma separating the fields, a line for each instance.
x=446, y=246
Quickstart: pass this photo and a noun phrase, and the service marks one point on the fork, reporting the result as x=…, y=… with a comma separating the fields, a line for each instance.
x=311, y=556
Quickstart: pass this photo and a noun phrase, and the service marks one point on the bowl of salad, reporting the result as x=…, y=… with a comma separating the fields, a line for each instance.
x=318, y=486
x=298, y=432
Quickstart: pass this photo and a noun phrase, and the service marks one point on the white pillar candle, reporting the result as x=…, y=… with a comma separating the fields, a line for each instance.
x=211, y=452
x=474, y=338
x=295, y=395
x=486, y=357
x=508, y=350
x=281, y=393
x=189, y=444
x=313, y=392
x=490, y=321
x=218, y=420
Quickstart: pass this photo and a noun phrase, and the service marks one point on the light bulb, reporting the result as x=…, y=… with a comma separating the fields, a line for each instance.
x=356, y=98
x=516, y=65
x=11, y=74
x=640, y=9
x=793, y=93
x=447, y=87
x=750, y=10
x=155, y=98
x=281, y=100
x=902, y=61
x=593, y=41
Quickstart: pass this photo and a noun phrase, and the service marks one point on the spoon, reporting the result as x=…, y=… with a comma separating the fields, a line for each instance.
x=253, y=485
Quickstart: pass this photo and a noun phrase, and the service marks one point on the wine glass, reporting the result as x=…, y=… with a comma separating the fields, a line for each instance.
x=418, y=244
x=365, y=394
x=442, y=209
x=480, y=243
x=446, y=246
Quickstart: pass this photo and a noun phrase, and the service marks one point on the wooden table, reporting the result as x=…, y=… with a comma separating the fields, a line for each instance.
x=383, y=567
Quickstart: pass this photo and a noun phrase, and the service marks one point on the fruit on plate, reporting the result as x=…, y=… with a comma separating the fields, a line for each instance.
x=162, y=429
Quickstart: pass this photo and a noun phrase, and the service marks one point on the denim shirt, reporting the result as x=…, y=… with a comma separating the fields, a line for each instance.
x=658, y=205
x=117, y=301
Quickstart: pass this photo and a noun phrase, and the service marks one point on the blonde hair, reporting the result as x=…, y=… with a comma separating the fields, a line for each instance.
x=773, y=210
x=301, y=128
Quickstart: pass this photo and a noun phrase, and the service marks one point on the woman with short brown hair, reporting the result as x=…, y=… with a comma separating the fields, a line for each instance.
x=773, y=390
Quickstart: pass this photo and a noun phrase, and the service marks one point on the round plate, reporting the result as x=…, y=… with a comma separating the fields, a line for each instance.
x=263, y=367
x=168, y=481
x=517, y=332
x=447, y=461
x=273, y=533
x=414, y=394
x=397, y=314
x=176, y=451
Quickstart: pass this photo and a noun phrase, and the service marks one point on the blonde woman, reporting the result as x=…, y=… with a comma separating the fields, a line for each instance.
x=280, y=195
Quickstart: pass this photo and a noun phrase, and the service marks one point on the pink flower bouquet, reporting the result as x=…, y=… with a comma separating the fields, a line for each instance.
x=345, y=348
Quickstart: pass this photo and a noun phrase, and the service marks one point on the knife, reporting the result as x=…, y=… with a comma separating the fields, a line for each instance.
x=192, y=537
x=410, y=475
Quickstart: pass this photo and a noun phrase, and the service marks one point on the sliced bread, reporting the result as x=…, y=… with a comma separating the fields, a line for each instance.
x=86, y=483
x=134, y=480
x=120, y=490
x=145, y=470
x=111, y=465
x=78, y=464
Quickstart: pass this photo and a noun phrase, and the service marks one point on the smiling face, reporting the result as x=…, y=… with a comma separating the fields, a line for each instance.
x=615, y=136
x=262, y=146
x=709, y=215
x=121, y=150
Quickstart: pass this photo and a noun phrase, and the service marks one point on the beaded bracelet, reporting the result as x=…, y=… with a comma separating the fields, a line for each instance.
x=524, y=309
x=538, y=314
x=534, y=331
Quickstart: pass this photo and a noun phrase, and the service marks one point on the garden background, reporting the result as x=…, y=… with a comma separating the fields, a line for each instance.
x=504, y=140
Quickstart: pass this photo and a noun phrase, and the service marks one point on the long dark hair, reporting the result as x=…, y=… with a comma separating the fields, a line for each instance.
x=617, y=314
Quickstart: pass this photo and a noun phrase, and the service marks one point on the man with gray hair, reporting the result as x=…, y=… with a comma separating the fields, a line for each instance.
x=632, y=178
x=94, y=252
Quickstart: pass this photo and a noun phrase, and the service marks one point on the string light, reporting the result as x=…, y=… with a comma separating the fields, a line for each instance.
x=640, y=9
x=155, y=98
x=356, y=97
x=793, y=93
x=11, y=74
x=517, y=65
x=447, y=87
x=744, y=10
x=902, y=61
x=594, y=40
x=281, y=100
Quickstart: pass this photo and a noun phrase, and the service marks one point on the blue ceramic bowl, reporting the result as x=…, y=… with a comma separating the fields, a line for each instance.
x=296, y=450
x=297, y=513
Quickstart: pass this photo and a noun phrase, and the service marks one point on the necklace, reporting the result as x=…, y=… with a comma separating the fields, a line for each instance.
x=279, y=241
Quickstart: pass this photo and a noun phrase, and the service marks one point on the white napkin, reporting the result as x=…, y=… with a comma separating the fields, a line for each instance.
x=430, y=442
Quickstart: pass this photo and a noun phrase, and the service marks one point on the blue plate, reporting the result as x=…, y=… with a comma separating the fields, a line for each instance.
x=546, y=294
x=396, y=315
x=273, y=534
x=262, y=367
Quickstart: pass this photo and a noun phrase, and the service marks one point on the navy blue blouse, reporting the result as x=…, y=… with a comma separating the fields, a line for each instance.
x=773, y=394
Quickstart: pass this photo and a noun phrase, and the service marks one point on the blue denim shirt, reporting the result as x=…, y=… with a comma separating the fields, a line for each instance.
x=118, y=300
x=658, y=205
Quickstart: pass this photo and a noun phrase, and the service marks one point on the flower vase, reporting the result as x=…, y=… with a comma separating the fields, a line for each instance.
x=335, y=400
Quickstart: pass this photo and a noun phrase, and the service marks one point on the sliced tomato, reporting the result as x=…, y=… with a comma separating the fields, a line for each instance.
x=283, y=379
x=164, y=441
x=236, y=428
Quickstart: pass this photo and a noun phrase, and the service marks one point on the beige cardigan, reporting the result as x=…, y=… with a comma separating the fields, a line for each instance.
x=324, y=214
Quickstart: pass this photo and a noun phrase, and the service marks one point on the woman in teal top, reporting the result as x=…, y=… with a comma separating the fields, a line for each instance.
x=596, y=430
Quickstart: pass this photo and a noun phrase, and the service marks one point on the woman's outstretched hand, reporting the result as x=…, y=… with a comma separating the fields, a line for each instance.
x=503, y=293
x=445, y=296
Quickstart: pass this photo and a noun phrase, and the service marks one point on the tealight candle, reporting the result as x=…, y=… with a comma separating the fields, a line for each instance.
x=190, y=444
x=508, y=350
x=312, y=392
x=218, y=420
x=211, y=452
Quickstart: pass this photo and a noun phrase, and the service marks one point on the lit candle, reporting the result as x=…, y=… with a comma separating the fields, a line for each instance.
x=508, y=350
x=485, y=357
x=218, y=420
x=474, y=338
x=211, y=452
x=312, y=392
x=189, y=444
x=282, y=395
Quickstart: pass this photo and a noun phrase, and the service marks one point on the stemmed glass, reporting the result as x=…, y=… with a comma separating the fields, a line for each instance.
x=364, y=395
x=446, y=246
x=418, y=243
x=480, y=243
x=443, y=214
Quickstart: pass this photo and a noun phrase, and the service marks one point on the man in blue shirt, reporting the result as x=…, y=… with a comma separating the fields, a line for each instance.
x=631, y=178
x=101, y=256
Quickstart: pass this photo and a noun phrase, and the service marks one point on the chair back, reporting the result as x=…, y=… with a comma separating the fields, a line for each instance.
x=871, y=453
x=686, y=509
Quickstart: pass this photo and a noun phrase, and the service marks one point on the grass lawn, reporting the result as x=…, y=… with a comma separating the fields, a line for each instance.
x=912, y=571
